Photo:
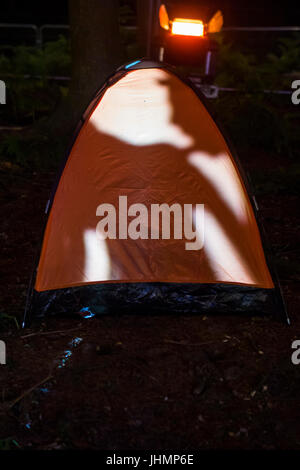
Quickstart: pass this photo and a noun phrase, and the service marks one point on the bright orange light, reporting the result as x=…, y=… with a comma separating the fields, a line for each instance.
x=185, y=27
x=164, y=18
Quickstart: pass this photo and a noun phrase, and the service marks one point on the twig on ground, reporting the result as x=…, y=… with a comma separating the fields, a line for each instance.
x=27, y=392
x=185, y=343
x=9, y=405
x=50, y=332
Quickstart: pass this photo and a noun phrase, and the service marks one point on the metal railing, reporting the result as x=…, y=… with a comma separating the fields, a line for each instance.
x=31, y=28
x=262, y=28
x=51, y=27
x=210, y=91
x=39, y=31
x=213, y=91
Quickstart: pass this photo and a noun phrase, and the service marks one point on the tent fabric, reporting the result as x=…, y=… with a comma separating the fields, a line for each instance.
x=150, y=138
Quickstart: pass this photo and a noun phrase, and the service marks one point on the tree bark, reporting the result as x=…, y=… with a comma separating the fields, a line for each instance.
x=96, y=48
x=142, y=25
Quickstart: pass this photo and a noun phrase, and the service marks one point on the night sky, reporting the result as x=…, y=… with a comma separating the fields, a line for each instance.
x=252, y=13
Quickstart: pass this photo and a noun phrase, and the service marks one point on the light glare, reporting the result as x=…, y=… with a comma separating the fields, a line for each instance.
x=184, y=27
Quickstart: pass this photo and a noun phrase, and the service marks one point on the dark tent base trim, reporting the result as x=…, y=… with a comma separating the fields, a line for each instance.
x=160, y=298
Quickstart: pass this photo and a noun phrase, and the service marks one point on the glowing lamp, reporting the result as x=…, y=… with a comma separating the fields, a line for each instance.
x=184, y=27
x=164, y=18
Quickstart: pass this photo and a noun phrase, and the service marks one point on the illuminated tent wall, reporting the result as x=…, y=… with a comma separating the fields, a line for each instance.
x=148, y=136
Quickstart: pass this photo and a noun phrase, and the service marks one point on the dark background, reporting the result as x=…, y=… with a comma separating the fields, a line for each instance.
x=255, y=13
x=145, y=382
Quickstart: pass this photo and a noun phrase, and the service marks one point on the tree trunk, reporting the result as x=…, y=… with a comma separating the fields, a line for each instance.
x=142, y=25
x=96, y=48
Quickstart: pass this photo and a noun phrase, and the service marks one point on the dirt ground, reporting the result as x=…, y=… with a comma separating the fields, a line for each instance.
x=128, y=382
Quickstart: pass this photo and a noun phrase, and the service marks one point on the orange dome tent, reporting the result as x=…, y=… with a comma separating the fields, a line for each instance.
x=151, y=208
